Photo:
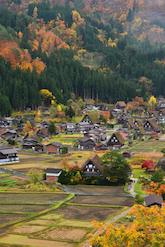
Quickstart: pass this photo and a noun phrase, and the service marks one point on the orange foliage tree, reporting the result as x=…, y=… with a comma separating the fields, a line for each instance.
x=147, y=229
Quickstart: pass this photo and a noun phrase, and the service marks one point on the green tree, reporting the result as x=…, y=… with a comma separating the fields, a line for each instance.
x=158, y=176
x=70, y=112
x=5, y=106
x=52, y=128
x=116, y=168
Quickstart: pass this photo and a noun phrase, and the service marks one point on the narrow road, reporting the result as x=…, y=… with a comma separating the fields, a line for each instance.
x=12, y=172
x=132, y=189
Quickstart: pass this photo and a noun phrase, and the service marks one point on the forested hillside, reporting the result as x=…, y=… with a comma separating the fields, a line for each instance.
x=95, y=49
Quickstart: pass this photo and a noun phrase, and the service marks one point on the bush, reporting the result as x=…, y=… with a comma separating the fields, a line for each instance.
x=35, y=176
x=163, y=151
x=72, y=177
x=139, y=199
x=158, y=176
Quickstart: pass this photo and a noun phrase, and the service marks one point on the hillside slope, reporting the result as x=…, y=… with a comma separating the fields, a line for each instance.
x=104, y=49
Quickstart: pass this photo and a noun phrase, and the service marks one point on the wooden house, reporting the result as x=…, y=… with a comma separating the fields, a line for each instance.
x=120, y=105
x=116, y=141
x=42, y=132
x=30, y=143
x=44, y=124
x=71, y=128
x=52, y=174
x=105, y=114
x=116, y=112
x=127, y=154
x=92, y=167
x=53, y=148
x=86, y=144
x=87, y=119
x=97, y=134
x=161, y=104
x=10, y=135
x=150, y=125
x=8, y=155
x=153, y=200
x=161, y=164
x=85, y=127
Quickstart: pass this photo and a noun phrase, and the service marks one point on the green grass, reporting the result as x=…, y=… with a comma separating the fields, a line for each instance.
x=147, y=146
x=137, y=173
x=138, y=189
x=66, y=139
x=9, y=183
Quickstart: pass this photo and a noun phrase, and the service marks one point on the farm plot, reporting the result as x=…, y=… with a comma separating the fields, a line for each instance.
x=104, y=200
x=96, y=190
x=15, y=207
x=8, y=208
x=8, y=218
x=30, y=198
x=67, y=234
x=86, y=213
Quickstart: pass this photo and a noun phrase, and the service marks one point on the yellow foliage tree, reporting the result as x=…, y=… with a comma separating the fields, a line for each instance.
x=47, y=96
x=112, y=43
x=147, y=229
x=59, y=108
x=27, y=127
x=152, y=102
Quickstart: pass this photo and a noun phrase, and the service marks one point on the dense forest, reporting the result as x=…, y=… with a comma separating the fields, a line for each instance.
x=67, y=50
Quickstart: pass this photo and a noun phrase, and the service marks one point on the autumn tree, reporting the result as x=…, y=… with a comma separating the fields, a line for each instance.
x=152, y=102
x=28, y=127
x=145, y=229
x=47, y=96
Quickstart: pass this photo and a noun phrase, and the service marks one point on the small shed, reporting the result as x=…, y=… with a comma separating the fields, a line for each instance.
x=53, y=148
x=153, y=200
x=52, y=174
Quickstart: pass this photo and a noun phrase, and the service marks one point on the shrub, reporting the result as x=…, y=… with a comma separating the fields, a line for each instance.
x=158, y=176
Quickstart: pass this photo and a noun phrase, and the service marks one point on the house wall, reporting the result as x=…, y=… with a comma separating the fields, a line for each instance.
x=51, y=178
x=52, y=149
x=9, y=160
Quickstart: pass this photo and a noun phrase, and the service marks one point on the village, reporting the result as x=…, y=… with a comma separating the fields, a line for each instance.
x=59, y=173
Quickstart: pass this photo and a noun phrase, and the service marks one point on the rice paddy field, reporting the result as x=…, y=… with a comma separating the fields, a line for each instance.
x=56, y=219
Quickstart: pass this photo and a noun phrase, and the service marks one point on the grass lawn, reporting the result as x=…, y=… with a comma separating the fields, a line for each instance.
x=147, y=146
x=137, y=173
x=66, y=139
